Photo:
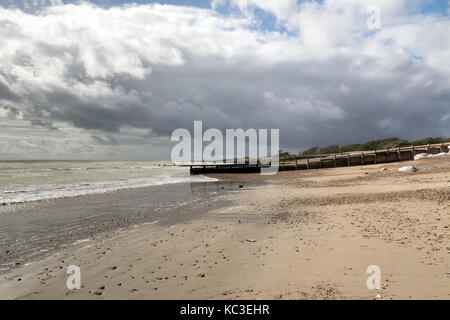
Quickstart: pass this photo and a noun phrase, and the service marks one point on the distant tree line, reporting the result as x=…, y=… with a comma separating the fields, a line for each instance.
x=382, y=144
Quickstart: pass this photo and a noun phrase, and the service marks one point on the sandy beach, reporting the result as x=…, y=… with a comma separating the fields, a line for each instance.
x=297, y=235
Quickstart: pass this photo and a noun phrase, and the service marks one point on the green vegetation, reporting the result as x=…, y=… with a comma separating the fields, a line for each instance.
x=382, y=144
x=312, y=151
x=429, y=141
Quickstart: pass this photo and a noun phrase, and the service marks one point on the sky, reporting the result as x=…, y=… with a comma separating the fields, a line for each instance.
x=112, y=79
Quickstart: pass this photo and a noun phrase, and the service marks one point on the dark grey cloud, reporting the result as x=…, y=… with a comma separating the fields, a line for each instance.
x=7, y=94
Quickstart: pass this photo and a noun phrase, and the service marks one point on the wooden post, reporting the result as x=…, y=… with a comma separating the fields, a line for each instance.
x=413, y=152
x=334, y=160
x=348, y=159
x=320, y=162
x=362, y=158
x=375, y=157
x=441, y=148
x=428, y=148
x=307, y=163
x=399, y=154
x=387, y=156
x=296, y=164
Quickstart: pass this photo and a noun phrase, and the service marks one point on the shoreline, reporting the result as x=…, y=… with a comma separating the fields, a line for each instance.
x=36, y=229
x=299, y=235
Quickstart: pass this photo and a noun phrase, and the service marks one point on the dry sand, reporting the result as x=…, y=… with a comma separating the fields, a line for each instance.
x=301, y=235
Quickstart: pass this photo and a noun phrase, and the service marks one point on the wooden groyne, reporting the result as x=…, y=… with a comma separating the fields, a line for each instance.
x=354, y=158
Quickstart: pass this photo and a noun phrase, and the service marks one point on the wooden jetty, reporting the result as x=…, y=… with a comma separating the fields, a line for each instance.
x=354, y=158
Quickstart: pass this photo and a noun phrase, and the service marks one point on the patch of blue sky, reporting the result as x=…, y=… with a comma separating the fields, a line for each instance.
x=32, y=5
x=436, y=7
x=264, y=21
x=190, y=3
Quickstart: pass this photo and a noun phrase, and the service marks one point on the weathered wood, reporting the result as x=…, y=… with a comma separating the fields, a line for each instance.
x=322, y=161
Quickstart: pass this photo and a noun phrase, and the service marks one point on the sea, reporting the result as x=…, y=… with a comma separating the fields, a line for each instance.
x=25, y=181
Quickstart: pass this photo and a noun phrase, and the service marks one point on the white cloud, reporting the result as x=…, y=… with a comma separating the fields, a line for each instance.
x=106, y=77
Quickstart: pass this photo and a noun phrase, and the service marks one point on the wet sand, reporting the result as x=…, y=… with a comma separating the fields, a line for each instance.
x=299, y=235
x=32, y=230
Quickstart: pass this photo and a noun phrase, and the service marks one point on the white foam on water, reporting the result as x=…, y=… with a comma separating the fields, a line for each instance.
x=24, y=184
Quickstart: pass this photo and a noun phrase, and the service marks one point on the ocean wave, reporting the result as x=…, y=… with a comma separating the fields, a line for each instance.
x=38, y=192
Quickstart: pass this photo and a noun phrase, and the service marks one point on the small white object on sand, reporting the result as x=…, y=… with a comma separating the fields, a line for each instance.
x=408, y=169
x=383, y=169
x=378, y=297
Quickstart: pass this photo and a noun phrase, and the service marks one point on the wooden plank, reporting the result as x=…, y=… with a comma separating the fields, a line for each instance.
x=322, y=160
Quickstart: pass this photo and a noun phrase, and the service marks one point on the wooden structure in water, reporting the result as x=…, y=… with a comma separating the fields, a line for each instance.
x=353, y=158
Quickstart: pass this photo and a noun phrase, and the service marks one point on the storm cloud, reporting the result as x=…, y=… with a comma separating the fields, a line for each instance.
x=96, y=82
